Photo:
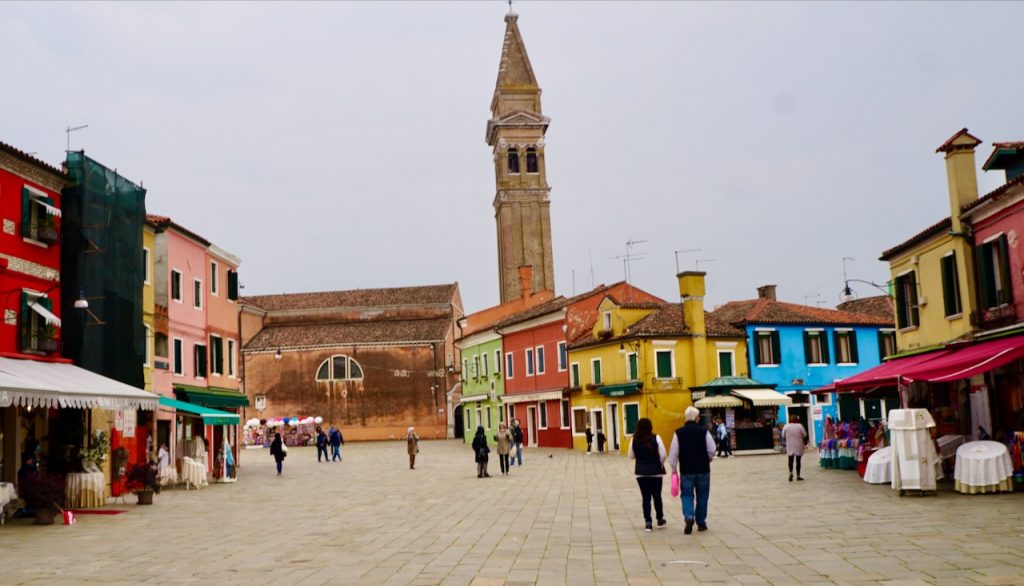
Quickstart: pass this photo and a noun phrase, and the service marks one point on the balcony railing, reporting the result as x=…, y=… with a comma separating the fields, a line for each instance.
x=995, y=317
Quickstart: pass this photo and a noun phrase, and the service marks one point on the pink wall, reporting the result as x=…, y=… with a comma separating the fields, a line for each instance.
x=186, y=322
x=1011, y=222
x=222, y=317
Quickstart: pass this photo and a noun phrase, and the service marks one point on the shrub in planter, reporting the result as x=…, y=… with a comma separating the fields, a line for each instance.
x=143, y=480
x=45, y=494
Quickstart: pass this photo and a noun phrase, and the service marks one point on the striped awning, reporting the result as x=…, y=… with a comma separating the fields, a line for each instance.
x=718, y=401
x=764, y=397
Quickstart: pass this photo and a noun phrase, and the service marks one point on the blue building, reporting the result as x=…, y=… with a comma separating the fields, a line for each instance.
x=800, y=348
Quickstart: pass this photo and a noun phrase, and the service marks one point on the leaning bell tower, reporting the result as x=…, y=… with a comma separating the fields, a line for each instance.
x=515, y=132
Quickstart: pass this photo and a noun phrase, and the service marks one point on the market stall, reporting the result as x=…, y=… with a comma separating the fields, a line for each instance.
x=747, y=407
x=295, y=431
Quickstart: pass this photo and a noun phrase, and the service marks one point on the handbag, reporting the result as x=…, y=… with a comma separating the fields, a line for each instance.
x=675, y=485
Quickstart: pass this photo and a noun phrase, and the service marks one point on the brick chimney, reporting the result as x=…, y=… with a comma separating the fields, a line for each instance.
x=766, y=292
x=526, y=282
x=960, y=173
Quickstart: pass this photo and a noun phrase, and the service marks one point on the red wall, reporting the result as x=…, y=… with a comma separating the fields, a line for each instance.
x=13, y=281
x=548, y=336
x=1011, y=222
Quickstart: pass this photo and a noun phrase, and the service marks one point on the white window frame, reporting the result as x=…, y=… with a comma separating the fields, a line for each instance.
x=637, y=377
x=146, y=277
x=476, y=366
x=509, y=366
x=542, y=415
x=572, y=421
x=839, y=331
x=732, y=360
x=757, y=338
x=209, y=362
x=197, y=301
x=564, y=413
x=672, y=358
x=575, y=383
x=531, y=368
x=827, y=402
x=821, y=334
x=231, y=357
x=563, y=356
x=195, y=361
x=214, y=277
x=177, y=356
x=606, y=321
x=541, y=359
x=593, y=379
x=149, y=346
x=623, y=423
x=181, y=294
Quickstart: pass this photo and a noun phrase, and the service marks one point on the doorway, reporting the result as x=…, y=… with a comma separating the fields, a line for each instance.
x=596, y=423
x=459, y=426
x=613, y=422
x=531, y=426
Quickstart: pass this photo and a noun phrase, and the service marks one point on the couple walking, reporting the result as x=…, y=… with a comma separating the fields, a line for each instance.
x=507, y=440
x=691, y=453
x=332, y=438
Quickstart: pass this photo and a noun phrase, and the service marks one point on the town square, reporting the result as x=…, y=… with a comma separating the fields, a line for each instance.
x=722, y=293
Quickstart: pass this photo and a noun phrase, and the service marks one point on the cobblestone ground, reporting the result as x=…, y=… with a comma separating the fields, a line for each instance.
x=564, y=518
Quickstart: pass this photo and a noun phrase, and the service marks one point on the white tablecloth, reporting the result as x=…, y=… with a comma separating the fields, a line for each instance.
x=85, y=489
x=7, y=493
x=879, y=468
x=193, y=472
x=948, y=445
x=983, y=466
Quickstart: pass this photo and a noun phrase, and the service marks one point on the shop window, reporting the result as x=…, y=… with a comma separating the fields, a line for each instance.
x=907, y=312
x=513, y=162
x=846, y=346
x=579, y=420
x=176, y=286
x=950, y=285
x=339, y=367
x=631, y=412
x=767, y=351
x=529, y=362
x=595, y=371
x=994, y=272
x=815, y=347
x=566, y=414
x=663, y=362
x=531, y=160
x=886, y=343
x=563, y=357
x=574, y=375
x=632, y=371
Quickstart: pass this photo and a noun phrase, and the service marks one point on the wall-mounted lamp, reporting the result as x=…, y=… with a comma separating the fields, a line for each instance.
x=622, y=348
x=277, y=355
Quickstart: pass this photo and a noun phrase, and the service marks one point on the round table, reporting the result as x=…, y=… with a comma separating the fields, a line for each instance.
x=193, y=473
x=983, y=466
x=85, y=489
x=879, y=468
x=7, y=494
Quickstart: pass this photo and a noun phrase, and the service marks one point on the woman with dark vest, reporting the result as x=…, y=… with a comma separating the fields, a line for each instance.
x=692, y=450
x=649, y=452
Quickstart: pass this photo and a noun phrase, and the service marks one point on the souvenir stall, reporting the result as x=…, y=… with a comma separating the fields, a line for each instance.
x=749, y=409
x=258, y=433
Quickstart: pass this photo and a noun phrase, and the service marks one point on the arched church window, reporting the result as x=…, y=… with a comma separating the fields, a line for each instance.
x=513, y=162
x=531, y=160
x=339, y=367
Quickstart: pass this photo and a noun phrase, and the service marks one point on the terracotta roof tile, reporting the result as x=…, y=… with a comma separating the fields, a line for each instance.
x=422, y=295
x=33, y=161
x=165, y=222
x=779, y=312
x=995, y=194
x=879, y=306
x=948, y=145
x=665, y=320
x=362, y=332
x=935, y=229
x=556, y=304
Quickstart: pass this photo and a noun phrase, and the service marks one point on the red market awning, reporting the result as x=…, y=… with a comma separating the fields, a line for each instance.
x=965, y=362
x=886, y=374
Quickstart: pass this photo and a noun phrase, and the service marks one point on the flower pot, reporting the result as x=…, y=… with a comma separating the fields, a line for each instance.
x=44, y=516
x=145, y=497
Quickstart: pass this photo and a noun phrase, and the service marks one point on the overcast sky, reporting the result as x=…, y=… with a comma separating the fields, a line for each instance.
x=339, y=146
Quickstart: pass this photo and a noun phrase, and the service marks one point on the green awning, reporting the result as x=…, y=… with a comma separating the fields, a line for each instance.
x=210, y=416
x=728, y=383
x=620, y=390
x=211, y=396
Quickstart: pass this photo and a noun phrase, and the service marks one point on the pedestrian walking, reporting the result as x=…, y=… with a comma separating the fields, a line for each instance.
x=692, y=450
x=590, y=438
x=336, y=439
x=504, y=441
x=321, y=445
x=278, y=450
x=649, y=452
x=481, y=452
x=600, y=440
x=795, y=437
x=413, y=445
x=517, y=443
x=724, y=442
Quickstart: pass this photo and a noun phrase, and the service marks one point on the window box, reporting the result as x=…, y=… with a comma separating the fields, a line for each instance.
x=47, y=234
x=47, y=345
x=604, y=334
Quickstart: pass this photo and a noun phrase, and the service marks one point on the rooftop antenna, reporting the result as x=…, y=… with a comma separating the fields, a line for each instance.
x=573, y=280
x=700, y=260
x=68, y=132
x=688, y=250
x=630, y=256
x=590, y=254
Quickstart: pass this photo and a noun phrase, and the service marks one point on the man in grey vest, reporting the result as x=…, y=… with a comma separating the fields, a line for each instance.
x=692, y=450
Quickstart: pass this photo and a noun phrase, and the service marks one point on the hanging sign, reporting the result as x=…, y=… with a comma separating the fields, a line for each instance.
x=129, y=423
x=119, y=420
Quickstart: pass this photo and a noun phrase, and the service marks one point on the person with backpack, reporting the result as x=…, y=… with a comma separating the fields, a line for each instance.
x=649, y=452
x=336, y=439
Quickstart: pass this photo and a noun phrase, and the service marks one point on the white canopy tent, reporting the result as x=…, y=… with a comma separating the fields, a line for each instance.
x=53, y=384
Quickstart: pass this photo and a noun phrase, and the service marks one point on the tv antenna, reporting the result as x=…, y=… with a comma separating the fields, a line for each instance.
x=630, y=256
x=68, y=132
x=688, y=250
x=704, y=260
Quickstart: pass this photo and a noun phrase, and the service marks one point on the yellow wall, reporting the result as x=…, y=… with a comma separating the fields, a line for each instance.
x=148, y=301
x=924, y=259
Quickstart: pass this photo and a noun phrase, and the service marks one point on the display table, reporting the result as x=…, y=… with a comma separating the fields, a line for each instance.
x=983, y=466
x=85, y=489
x=193, y=473
x=879, y=468
x=948, y=445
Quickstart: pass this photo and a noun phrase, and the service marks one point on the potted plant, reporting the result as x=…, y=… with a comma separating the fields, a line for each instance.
x=143, y=480
x=96, y=453
x=43, y=493
x=48, y=341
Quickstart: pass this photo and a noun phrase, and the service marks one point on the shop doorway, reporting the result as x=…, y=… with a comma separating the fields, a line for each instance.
x=613, y=421
x=459, y=426
x=531, y=426
x=801, y=407
x=596, y=423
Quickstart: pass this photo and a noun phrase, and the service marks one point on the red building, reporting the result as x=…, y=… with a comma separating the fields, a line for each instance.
x=536, y=366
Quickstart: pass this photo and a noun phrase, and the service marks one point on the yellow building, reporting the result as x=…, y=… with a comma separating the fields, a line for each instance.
x=640, y=360
x=148, y=300
x=932, y=272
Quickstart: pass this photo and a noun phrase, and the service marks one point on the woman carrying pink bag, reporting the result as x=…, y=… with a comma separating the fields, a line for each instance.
x=649, y=452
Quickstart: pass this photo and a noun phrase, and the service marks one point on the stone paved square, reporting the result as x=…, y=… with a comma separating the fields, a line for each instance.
x=563, y=518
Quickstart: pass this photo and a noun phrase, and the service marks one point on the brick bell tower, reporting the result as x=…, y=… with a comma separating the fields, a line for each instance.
x=521, y=205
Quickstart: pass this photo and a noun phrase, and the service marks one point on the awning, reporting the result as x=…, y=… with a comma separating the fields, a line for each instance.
x=52, y=384
x=209, y=416
x=764, y=397
x=964, y=362
x=717, y=401
x=51, y=210
x=620, y=390
x=46, y=314
x=211, y=396
x=727, y=383
x=888, y=373
x=473, y=398
x=532, y=397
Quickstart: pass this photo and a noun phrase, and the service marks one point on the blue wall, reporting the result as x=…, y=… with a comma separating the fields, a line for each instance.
x=793, y=365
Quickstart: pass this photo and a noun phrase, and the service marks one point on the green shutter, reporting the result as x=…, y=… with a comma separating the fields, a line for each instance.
x=25, y=324
x=915, y=317
x=881, y=346
x=597, y=373
x=26, y=212
x=776, y=348
x=632, y=367
x=725, y=364
x=233, y=285
x=901, y=304
x=807, y=348
x=664, y=365
x=632, y=413
x=854, y=355
x=1004, y=270
x=823, y=340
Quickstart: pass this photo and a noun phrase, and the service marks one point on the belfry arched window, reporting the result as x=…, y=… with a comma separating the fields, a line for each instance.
x=531, y=160
x=339, y=367
x=513, y=162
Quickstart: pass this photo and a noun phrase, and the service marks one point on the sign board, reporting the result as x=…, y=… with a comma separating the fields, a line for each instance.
x=119, y=420
x=730, y=418
x=129, y=423
x=261, y=402
x=817, y=411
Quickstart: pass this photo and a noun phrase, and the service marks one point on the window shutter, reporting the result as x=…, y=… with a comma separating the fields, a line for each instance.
x=200, y=361
x=757, y=348
x=776, y=349
x=26, y=211
x=233, y=285
x=823, y=340
x=853, y=346
x=808, y=357
x=1004, y=271
x=25, y=324
x=915, y=317
x=881, y=345
x=835, y=340
x=901, y=304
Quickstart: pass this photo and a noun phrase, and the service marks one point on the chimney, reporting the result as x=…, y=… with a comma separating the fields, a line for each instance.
x=960, y=173
x=691, y=292
x=766, y=292
x=526, y=282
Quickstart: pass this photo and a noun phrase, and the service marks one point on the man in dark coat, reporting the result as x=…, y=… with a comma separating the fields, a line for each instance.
x=692, y=450
x=336, y=441
x=321, y=445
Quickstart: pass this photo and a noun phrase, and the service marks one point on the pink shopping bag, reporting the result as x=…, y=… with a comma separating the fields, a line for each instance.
x=675, y=484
